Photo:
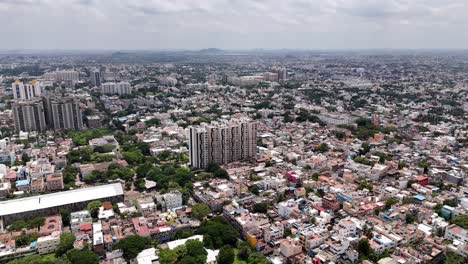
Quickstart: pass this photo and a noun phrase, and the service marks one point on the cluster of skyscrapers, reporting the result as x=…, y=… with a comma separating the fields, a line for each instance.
x=222, y=142
x=33, y=111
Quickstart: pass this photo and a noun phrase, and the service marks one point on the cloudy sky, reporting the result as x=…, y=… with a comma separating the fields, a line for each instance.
x=233, y=24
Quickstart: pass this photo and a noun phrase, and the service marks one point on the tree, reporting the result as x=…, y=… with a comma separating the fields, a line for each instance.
x=167, y=256
x=66, y=243
x=93, y=208
x=454, y=258
x=218, y=232
x=364, y=247
x=221, y=173
x=25, y=158
x=226, y=255
x=255, y=190
x=410, y=218
x=461, y=220
x=322, y=148
x=257, y=258
x=260, y=207
x=200, y=210
x=133, y=157
x=389, y=202
x=65, y=217
x=196, y=251
x=85, y=256
x=244, y=251
x=132, y=245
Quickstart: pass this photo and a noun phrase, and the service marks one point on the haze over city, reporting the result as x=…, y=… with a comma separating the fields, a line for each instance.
x=226, y=24
x=233, y=132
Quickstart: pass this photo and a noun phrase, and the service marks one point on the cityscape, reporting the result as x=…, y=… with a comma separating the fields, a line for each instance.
x=233, y=155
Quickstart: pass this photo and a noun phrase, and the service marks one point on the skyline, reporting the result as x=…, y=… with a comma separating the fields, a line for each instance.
x=240, y=25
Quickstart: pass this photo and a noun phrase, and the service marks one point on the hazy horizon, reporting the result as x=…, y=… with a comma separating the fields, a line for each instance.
x=174, y=25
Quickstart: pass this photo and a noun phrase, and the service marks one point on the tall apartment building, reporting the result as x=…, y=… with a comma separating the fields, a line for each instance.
x=282, y=74
x=222, y=142
x=65, y=75
x=26, y=91
x=63, y=113
x=29, y=115
x=116, y=88
x=96, y=77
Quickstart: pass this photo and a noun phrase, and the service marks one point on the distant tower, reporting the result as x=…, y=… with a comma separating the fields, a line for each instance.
x=26, y=91
x=96, y=77
x=375, y=120
x=282, y=74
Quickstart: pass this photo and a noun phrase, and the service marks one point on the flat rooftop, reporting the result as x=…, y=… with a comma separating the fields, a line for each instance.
x=39, y=202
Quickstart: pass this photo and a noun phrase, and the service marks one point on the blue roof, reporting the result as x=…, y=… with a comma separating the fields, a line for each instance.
x=419, y=197
x=22, y=182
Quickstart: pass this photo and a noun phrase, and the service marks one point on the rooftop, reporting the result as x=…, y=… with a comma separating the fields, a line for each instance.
x=61, y=198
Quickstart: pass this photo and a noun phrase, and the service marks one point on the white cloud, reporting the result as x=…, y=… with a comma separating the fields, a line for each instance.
x=173, y=24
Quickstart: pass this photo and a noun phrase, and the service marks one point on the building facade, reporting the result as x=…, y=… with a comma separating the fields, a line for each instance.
x=29, y=115
x=26, y=91
x=116, y=88
x=222, y=142
x=63, y=113
x=96, y=77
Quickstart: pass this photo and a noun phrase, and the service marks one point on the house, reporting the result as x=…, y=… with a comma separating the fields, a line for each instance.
x=54, y=182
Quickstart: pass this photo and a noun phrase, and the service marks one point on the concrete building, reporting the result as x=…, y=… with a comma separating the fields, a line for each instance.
x=48, y=244
x=170, y=200
x=116, y=88
x=26, y=91
x=60, y=76
x=63, y=113
x=454, y=232
x=29, y=115
x=50, y=204
x=96, y=77
x=222, y=142
x=94, y=121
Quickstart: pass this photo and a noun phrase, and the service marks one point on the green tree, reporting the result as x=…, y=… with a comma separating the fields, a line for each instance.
x=218, y=232
x=221, y=173
x=200, y=210
x=260, y=207
x=93, y=208
x=461, y=220
x=322, y=148
x=132, y=245
x=133, y=157
x=65, y=217
x=196, y=251
x=454, y=258
x=85, y=256
x=66, y=243
x=257, y=258
x=364, y=247
x=226, y=255
x=389, y=202
x=244, y=251
x=167, y=256
x=410, y=218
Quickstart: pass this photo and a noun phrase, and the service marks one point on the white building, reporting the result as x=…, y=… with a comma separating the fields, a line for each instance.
x=48, y=244
x=116, y=88
x=454, y=232
x=65, y=75
x=26, y=91
x=170, y=200
x=347, y=228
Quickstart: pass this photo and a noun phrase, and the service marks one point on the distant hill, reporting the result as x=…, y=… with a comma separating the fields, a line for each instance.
x=211, y=50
